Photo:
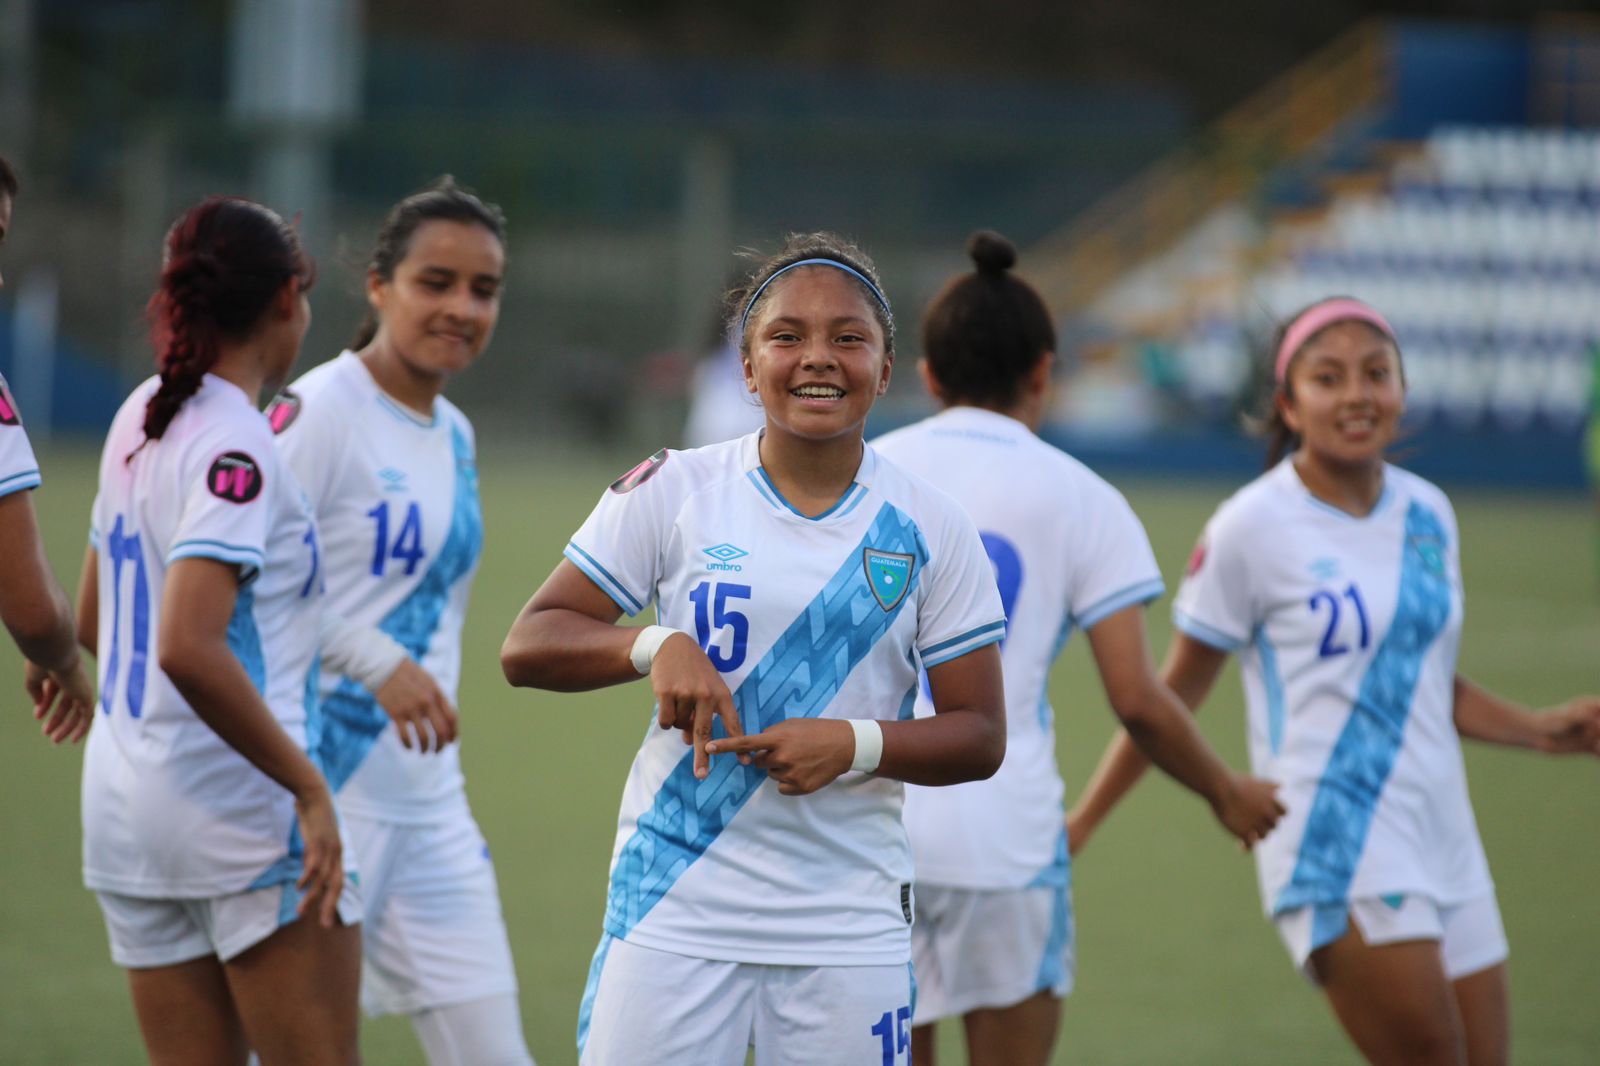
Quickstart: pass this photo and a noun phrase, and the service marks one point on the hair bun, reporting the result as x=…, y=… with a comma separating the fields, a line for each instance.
x=992, y=253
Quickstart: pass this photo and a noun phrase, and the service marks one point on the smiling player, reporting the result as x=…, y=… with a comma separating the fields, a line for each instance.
x=761, y=876
x=389, y=466
x=1337, y=577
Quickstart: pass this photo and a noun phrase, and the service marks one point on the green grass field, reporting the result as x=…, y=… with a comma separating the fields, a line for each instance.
x=1175, y=962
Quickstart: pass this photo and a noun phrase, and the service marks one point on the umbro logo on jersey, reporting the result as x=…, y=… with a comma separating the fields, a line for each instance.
x=393, y=480
x=724, y=554
x=888, y=575
x=1325, y=568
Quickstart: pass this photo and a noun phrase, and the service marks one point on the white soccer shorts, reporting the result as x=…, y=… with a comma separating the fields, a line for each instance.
x=1470, y=935
x=146, y=933
x=990, y=949
x=434, y=935
x=647, y=1006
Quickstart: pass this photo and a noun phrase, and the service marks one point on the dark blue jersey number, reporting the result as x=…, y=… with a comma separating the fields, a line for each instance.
x=407, y=547
x=1331, y=645
x=125, y=548
x=893, y=1031
x=711, y=610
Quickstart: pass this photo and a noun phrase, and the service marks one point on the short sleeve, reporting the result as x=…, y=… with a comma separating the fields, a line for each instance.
x=960, y=610
x=226, y=510
x=309, y=436
x=1115, y=567
x=620, y=546
x=1214, y=604
x=18, y=468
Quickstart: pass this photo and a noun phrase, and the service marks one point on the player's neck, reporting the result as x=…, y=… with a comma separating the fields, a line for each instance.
x=400, y=380
x=811, y=475
x=1354, y=488
x=238, y=365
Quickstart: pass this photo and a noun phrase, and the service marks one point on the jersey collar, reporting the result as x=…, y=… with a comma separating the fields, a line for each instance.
x=390, y=405
x=1290, y=478
x=758, y=480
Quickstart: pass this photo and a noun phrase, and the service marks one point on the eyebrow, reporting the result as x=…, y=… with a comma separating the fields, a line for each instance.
x=839, y=320
x=429, y=268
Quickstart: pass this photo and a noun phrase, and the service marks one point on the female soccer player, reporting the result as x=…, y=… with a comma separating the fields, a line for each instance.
x=209, y=834
x=388, y=464
x=1337, y=577
x=761, y=878
x=32, y=606
x=993, y=938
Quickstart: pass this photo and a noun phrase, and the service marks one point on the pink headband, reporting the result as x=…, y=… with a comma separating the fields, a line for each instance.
x=1319, y=318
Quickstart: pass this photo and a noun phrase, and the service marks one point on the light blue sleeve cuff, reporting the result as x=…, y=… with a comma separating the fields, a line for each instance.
x=630, y=604
x=1143, y=592
x=24, y=479
x=955, y=647
x=1205, y=634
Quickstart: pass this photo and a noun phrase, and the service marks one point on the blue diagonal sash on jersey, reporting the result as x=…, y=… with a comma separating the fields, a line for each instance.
x=1365, y=753
x=351, y=717
x=797, y=678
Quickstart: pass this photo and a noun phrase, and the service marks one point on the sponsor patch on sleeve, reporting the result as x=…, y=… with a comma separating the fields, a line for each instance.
x=1197, y=558
x=283, y=410
x=234, y=477
x=640, y=474
x=9, y=415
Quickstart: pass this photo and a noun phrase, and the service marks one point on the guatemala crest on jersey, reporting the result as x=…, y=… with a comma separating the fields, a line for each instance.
x=888, y=575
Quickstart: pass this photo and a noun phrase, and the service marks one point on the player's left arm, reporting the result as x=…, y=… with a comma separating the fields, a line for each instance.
x=36, y=612
x=1573, y=727
x=965, y=740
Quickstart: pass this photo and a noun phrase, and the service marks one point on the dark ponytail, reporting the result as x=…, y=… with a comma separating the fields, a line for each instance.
x=985, y=331
x=443, y=201
x=225, y=260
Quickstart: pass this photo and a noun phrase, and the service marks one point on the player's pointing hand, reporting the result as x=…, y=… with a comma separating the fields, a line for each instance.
x=800, y=754
x=689, y=694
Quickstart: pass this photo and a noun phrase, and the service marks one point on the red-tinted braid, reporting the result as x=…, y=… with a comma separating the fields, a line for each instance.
x=226, y=260
x=180, y=312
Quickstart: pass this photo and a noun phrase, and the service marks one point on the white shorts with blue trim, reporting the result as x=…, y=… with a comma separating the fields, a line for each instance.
x=147, y=933
x=1470, y=934
x=977, y=950
x=434, y=935
x=648, y=1006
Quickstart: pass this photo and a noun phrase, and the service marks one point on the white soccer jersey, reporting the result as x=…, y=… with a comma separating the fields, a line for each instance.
x=805, y=617
x=18, y=468
x=1067, y=552
x=169, y=809
x=1347, y=631
x=396, y=500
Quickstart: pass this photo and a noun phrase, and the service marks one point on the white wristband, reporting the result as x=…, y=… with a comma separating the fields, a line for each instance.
x=647, y=643
x=869, y=744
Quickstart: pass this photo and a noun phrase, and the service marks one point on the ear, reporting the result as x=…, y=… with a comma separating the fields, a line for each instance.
x=931, y=383
x=286, y=301
x=885, y=373
x=1286, y=410
x=749, y=373
x=1037, y=383
x=377, y=292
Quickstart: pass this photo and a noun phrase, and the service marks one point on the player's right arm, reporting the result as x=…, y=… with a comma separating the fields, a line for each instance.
x=197, y=602
x=567, y=640
x=1189, y=673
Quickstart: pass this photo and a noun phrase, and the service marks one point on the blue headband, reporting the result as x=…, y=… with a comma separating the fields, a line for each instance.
x=744, y=319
